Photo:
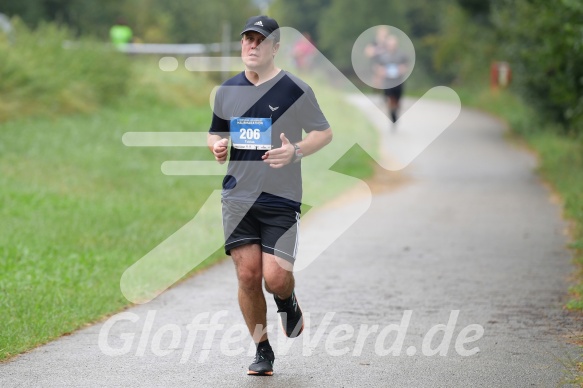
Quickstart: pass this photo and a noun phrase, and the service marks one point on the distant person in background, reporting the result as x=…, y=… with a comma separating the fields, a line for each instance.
x=120, y=34
x=390, y=64
x=303, y=52
x=373, y=51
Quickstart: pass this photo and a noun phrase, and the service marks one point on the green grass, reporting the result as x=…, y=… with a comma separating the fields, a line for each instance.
x=78, y=207
x=38, y=76
x=562, y=165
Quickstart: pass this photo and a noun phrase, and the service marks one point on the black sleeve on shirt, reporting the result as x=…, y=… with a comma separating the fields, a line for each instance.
x=218, y=124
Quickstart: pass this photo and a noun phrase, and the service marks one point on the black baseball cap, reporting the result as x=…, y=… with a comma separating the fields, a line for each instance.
x=265, y=25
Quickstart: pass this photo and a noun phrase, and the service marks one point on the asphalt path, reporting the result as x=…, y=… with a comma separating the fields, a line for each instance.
x=454, y=277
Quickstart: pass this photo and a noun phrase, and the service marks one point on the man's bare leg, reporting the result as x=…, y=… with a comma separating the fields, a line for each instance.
x=279, y=281
x=248, y=263
x=393, y=107
x=278, y=275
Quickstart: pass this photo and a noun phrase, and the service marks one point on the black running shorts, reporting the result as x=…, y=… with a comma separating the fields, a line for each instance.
x=395, y=92
x=274, y=228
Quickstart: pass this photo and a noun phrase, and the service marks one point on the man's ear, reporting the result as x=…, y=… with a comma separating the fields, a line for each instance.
x=275, y=48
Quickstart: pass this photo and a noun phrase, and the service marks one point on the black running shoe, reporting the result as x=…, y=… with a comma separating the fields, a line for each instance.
x=263, y=364
x=290, y=315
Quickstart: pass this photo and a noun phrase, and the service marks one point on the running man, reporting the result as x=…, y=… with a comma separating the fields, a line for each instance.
x=390, y=65
x=264, y=111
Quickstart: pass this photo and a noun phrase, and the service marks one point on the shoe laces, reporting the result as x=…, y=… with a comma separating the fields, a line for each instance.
x=261, y=355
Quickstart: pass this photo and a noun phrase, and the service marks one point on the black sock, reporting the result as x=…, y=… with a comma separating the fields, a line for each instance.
x=394, y=115
x=286, y=299
x=264, y=345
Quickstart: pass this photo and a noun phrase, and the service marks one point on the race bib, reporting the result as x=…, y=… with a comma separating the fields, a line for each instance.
x=251, y=133
x=392, y=71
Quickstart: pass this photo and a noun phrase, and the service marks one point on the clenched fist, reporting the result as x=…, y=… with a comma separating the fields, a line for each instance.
x=220, y=150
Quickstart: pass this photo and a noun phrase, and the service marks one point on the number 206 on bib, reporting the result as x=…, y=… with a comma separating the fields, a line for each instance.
x=250, y=133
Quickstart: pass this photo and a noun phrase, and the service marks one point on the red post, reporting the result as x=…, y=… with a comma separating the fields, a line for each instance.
x=500, y=75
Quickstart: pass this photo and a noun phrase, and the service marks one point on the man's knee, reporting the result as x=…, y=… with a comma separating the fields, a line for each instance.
x=278, y=282
x=247, y=259
x=249, y=278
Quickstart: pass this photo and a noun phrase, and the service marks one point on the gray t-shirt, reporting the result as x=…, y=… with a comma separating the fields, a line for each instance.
x=290, y=106
x=392, y=61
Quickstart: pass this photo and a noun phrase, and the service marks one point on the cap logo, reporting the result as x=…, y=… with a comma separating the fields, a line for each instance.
x=259, y=23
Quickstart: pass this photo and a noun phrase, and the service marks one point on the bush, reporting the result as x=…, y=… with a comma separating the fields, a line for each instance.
x=543, y=41
x=38, y=76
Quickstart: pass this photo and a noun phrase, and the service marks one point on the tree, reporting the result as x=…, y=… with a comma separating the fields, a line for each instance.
x=202, y=21
x=478, y=10
x=176, y=21
x=544, y=42
x=343, y=22
x=303, y=15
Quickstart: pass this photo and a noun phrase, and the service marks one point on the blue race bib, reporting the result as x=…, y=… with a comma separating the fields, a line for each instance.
x=392, y=71
x=251, y=133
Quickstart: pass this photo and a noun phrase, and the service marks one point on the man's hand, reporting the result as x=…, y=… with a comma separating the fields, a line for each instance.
x=220, y=150
x=279, y=157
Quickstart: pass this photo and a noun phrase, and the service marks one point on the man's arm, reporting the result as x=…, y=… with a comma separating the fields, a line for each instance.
x=314, y=141
x=218, y=146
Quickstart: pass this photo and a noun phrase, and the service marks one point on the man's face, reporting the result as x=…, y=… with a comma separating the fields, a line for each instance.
x=256, y=50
